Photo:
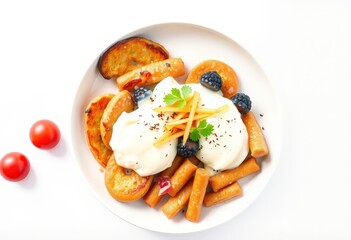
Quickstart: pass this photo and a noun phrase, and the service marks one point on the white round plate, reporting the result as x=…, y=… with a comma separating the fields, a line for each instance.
x=193, y=44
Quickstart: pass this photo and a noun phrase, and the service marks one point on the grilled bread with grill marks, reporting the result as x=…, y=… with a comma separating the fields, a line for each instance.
x=125, y=185
x=93, y=115
x=129, y=54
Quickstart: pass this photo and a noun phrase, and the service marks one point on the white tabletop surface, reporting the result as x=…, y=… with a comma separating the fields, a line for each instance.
x=303, y=46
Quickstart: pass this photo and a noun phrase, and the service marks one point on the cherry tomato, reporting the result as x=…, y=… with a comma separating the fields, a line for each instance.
x=14, y=166
x=45, y=134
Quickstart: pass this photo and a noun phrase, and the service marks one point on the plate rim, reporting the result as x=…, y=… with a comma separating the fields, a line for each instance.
x=277, y=158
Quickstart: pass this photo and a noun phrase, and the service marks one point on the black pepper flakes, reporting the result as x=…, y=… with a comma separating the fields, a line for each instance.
x=174, y=115
x=88, y=111
x=168, y=65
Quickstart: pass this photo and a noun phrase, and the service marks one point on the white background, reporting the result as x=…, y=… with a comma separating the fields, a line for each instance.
x=303, y=46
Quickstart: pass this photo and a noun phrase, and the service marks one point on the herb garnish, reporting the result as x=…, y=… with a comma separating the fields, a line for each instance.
x=204, y=129
x=178, y=96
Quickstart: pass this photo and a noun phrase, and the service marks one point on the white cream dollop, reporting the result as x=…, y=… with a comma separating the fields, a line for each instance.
x=134, y=134
x=227, y=147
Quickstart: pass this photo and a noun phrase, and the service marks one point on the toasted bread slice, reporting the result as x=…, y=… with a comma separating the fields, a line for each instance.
x=229, y=78
x=124, y=184
x=122, y=102
x=151, y=73
x=93, y=115
x=129, y=54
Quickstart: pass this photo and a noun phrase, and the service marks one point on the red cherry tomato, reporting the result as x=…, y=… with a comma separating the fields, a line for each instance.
x=45, y=134
x=14, y=166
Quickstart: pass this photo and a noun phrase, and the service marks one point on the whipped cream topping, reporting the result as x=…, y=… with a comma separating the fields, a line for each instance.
x=134, y=134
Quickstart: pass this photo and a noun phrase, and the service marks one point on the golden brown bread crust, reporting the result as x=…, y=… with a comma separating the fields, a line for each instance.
x=125, y=185
x=93, y=114
x=229, y=78
x=129, y=54
x=122, y=102
x=151, y=73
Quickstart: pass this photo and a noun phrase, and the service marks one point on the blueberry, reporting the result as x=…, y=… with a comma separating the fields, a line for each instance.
x=189, y=149
x=242, y=102
x=141, y=93
x=212, y=80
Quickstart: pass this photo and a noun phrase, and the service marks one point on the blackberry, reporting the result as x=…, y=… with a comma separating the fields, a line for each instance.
x=141, y=93
x=189, y=149
x=212, y=80
x=242, y=102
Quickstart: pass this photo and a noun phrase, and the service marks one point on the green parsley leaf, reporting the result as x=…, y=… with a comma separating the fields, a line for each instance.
x=176, y=92
x=202, y=124
x=181, y=104
x=170, y=99
x=204, y=129
x=194, y=134
x=186, y=91
x=178, y=96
